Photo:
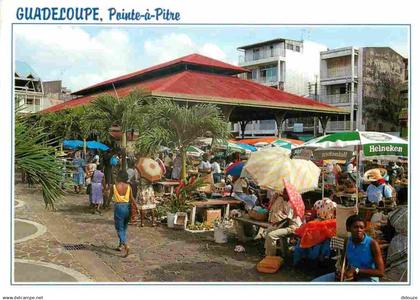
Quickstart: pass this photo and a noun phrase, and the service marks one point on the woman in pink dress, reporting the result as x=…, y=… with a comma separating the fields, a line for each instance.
x=98, y=183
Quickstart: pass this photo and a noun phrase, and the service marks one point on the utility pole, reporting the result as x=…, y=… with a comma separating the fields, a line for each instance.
x=316, y=98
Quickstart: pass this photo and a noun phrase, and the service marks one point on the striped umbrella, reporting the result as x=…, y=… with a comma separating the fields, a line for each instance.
x=282, y=143
x=235, y=169
x=373, y=144
x=270, y=166
x=194, y=151
x=233, y=147
x=247, y=147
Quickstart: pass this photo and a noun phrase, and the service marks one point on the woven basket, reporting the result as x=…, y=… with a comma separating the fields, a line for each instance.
x=218, y=188
x=258, y=216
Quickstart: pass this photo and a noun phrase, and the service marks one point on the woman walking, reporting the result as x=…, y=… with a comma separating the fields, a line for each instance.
x=97, y=189
x=122, y=197
x=78, y=172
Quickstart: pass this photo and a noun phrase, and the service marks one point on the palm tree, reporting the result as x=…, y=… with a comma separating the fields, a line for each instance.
x=34, y=155
x=178, y=126
x=107, y=111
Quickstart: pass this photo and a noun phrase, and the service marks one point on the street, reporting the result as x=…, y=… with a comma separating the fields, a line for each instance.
x=157, y=254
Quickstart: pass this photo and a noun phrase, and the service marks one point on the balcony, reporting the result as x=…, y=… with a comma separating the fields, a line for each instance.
x=261, y=55
x=338, y=98
x=271, y=80
x=338, y=72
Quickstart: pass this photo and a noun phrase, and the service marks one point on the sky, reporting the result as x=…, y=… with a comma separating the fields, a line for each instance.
x=81, y=56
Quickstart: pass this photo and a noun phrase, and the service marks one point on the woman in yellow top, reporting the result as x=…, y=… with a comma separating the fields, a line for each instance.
x=122, y=197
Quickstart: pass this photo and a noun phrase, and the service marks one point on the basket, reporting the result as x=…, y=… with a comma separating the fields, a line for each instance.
x=218, y=188
x=270, y=264
x=351, y=190
x=258, y=216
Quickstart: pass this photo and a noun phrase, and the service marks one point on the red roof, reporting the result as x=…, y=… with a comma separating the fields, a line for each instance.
x=213, y=88
x=192, y=59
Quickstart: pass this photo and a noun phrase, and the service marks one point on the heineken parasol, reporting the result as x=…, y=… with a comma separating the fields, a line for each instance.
x=368, y=144
x=373, y=144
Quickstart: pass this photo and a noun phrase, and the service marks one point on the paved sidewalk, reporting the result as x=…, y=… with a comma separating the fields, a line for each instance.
x=157, y=254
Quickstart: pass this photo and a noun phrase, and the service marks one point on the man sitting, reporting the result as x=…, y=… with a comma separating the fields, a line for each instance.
x=282, y=222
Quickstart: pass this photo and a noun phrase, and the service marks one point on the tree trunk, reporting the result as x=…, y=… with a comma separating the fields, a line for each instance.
x=123, y=151
x=84, y=147
x=184, y=164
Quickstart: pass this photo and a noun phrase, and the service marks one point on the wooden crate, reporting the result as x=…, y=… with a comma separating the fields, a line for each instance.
x=212, y=214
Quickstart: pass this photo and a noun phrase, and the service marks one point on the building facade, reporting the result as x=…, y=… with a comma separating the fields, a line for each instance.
x=32, y=94
x=55, y=90
x=29, y=96
x=366, y=82
x=284, y=64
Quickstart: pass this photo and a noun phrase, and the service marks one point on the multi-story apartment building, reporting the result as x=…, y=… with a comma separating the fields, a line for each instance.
x=403, y=116
x=366, y=82
x=339, y=85
x=32, y=94
x=283, y=64
x=28, y=89
x=55, y=90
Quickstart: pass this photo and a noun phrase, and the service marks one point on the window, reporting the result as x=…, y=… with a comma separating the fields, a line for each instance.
x=297, y=48
x=289, y=46
x=343, y=90
x=29, y=101
x=254, y=74
x=271, y=51
x=268, y=73
x=256, y=54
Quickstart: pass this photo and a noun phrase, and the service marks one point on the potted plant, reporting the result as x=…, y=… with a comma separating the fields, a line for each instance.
x=179, y=204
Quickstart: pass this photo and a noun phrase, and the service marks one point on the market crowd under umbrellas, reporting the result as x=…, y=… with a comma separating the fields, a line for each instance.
x=149, y=172
x=298, y=208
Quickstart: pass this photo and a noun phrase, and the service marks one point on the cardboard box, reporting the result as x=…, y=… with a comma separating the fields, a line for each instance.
x=212, y=214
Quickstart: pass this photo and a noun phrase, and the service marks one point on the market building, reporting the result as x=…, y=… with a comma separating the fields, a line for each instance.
x=199, y=79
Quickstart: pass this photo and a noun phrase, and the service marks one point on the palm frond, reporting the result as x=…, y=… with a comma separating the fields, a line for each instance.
x=34, y=155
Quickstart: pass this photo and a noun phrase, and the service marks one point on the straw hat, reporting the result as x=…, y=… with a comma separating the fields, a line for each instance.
x=372, y=175
x=60, y=154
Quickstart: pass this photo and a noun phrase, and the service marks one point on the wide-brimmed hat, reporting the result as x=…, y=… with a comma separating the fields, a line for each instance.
x=61, y=154
x=373, y=175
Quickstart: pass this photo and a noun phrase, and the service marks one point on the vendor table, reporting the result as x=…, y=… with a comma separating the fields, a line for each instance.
x=241, y=221
x=225, y=202
x=168, y=184
x=252, y=221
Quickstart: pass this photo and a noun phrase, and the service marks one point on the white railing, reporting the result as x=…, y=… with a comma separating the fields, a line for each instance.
x=268, y=80
x=337, y=98
x=336, y=72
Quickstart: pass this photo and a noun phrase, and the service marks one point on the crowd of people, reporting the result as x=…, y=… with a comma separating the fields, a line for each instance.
x=380, y=186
